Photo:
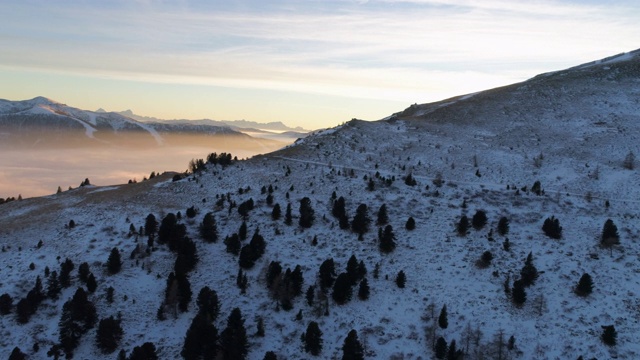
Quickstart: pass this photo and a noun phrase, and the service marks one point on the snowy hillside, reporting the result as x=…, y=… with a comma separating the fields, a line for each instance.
x=571, y=130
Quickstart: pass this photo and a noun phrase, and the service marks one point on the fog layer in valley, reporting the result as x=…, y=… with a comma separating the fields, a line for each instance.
x=36, y=171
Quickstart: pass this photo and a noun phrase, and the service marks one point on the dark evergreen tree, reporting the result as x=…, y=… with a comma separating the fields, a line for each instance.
x=167, y=230
x=108, y=335
x=443, y=320
x=518, y=294
x=78, y=316
x=310, y=295
x=552, y=228
x=386, y=242
x=53, y=286
x=201, y=339
x=145, y=352
x=463, y=225
x=276, y=212
x=288, y=219
x=233, y=340
x=327, y=274
x=233, y=244
x=352, y=348
x=537, y=188
x=269, y=199
x=352, y=270
x=306, y=213
x=401, y=279
x=17, y=354
x=24, y=310
x=150, y=225
x=209, y=228
x=479, y=219
x=270, y=355
x=273, y=273
x=360, y=222
x=342, y=289
x=363, y=289
x=65, y=273
x=440, y=349
x=585, y=285
x=485, y=259
x=529, y=273
x=411, y=224
x=383, y=217
x=410, y=180
x=503, y=226
x=208, y=304
x=92, y=284
x=609, y=335
x=338, y=209
x=610, y=236
x=313, y=339
x=114, y=264
x=83, y=272
x=296, y=281
x=453, y=353
x=6, y=303
x=184, y=292
x=110, y=291
x=242, y=231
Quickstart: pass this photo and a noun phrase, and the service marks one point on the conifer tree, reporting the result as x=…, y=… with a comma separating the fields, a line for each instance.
x=53, y=286
x=114, y=264
x=150, y=225
x=387, y=240
x=270, y=355
x=352, y=348
x=529, y=273
x=83, y=272
x=288, y=220
x=208, y=228
x=17, y=354
x=306, y=213
x=503, y=226
x=383, y=217
x=78, y=316
x=401, y=279
x=201, y=339
x=310, y=295
x=108, y=335
x=552, y=228
x=233, y=244
x=65, y=273
x=208, y=304
x=242, y=231
x=453, y=353
x=342, y=289
x=585, y=285
x=518, y=294
x=145, y=352
x=363, y=289
x=360, y=222
x=6, y=302
x=327, y=274
x=352, y=269
x=411, y=224
x=233, y=339
x=609, y=335
x=479, y=219
x=276, y=212
x=313, y=339
x=441, y=348
x=443, y=320
x=463, y=225
x=610, y=235
x=92, y=284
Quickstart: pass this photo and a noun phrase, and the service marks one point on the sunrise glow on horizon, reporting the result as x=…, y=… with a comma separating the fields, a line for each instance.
x=312, y=64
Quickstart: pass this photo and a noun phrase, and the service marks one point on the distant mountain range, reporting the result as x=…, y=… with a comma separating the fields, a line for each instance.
x=45, y=122
x=234, y=124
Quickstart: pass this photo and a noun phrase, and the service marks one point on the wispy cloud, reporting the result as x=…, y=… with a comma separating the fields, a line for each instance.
x=373, y=49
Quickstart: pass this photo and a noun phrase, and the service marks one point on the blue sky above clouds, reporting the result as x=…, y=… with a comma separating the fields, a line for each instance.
x=308, y=63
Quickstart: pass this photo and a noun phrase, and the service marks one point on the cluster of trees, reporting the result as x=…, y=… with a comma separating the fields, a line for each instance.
x=284, y=286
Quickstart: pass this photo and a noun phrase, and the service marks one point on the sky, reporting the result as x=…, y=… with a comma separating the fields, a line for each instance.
x=306, y=63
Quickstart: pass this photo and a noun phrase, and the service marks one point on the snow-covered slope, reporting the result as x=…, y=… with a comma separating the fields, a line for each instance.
x=466, y=154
